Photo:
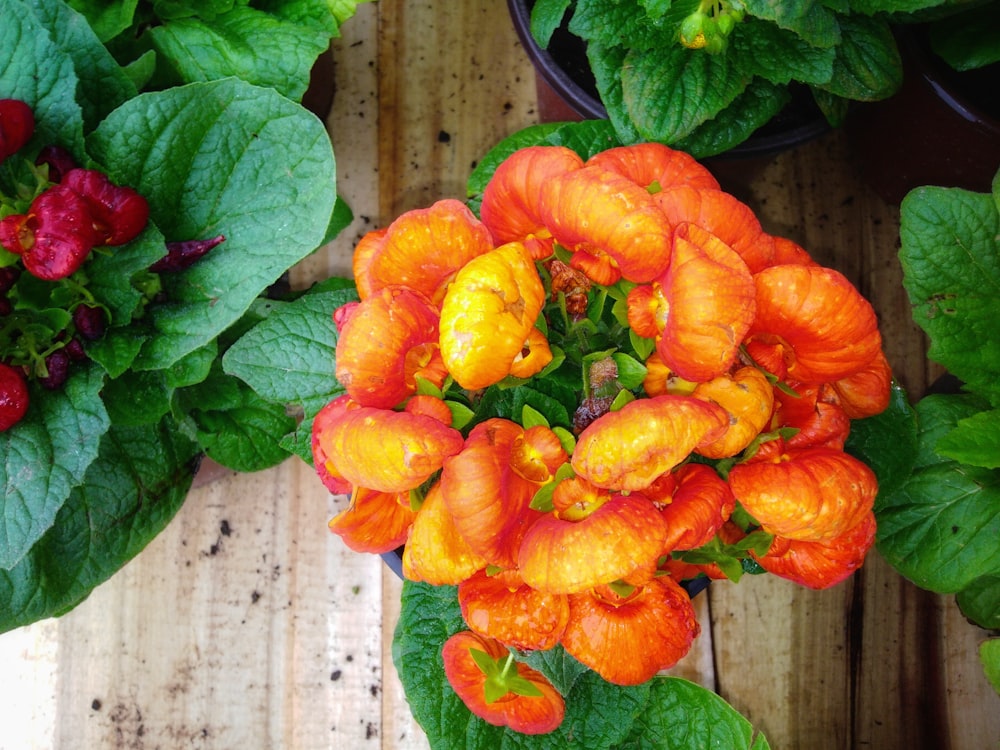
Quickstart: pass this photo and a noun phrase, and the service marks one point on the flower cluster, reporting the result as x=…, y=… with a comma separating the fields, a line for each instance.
x=611, y=383
x=57, y=214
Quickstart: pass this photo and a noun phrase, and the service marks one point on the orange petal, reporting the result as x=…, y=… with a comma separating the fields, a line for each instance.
x=647, y=310
x=367, y=248
x=430, y=406
x=660, y=380
x=628, y=640
x=654, y=166
x=328, y=474
x=535, y=354
x=525, y=714
x=488, y=312
x=812, y=495
x=723, y=215
x=386, y=450
x=701, y=503
x=789, y=251
x=629, y=448
x=605, y=215
x=435, y=552
x=563, y=557
x=866, y=392
x=829, y=329
x=510, y=200
x=748, y=397
x=820, y=565
x=422, y=249
x=819, y=420
x=375, y=521
x=405, y=325
x=487, y=498
x=503, y=607
x=710, y=297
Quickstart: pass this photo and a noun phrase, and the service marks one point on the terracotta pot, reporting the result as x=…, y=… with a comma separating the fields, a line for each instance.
x=937, y=130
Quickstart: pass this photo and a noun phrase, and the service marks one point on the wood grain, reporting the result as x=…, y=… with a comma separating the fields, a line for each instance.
x=247, y=625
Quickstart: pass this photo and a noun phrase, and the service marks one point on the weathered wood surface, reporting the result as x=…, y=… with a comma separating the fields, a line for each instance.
x=246, y=625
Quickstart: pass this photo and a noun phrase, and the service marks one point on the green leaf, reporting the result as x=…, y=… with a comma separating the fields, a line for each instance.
x=989, y=654
x=108, y=19
x=131, y=491
x=103, y=85
x=46, y=455
x=868, y=66
x=974, y=441
x=950, y=255
x=250, y=44
x=682, y=715
x=939, y=527
x=601, y=22
x=35, y=70
x=289, y=356
x=816, y=24
x=969, y=40
x=225, y=158
x=546, y=16
x=137, y=398
x=779, y=55
x=559, y=667
x=980, y=602
x=631, y=372
x=532, y=418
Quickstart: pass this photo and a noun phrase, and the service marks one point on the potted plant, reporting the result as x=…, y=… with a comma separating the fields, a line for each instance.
x=703, y=76
x=940, y=490
x=597, y=382
x=141, y=226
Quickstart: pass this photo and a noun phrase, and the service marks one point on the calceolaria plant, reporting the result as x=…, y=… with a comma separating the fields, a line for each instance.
x=139, y=232
x=939, y=505
x=572, y=401
x=703, y=75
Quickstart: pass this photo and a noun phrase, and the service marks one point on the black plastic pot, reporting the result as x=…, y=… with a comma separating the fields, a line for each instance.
x=941, y=128
x=567, y=91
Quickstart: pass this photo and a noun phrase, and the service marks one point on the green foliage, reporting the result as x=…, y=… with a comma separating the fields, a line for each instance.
x=704, y=76
x=666, y=712
x=939, y=517
x=97, y=468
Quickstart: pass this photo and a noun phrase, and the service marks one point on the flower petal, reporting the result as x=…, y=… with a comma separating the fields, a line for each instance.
x=629, y=448
x=375, y=521
x=628, y=640
x=654, y=166
x=503, y=607
x=748, y=397
x=699, y=505
x=435, y=552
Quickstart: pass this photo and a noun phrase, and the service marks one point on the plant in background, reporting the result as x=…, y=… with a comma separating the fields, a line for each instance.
x=703, y=75
x=939, y=504
x=574, y=409
x=139, y=234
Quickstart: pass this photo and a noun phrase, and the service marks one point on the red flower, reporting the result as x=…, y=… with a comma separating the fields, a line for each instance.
x=499, y=690
x=17, y=123
x=118, y=213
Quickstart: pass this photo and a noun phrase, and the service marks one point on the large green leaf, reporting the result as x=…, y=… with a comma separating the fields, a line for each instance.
x=222, y=157
x=951, y=271
x=131, y=492
x=940, y=527
x=35, y=70
x=251, y=44
x=867, y=65
x=45, y=456
x=288, y=358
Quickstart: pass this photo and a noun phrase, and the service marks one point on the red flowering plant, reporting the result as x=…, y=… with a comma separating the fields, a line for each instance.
x=573, y=409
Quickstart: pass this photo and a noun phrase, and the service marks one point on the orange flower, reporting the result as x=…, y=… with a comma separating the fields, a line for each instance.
x=503, y=607
x=511, y=198
x=537, y=708
x=487, y=316
x=564, y=554
x=817, y=415
x=489, y=485
x=825, y=328
x=328, y=474
x=628, y=639
x=386, y=450
x=659, y=381
x=629, y=448
x=695, y=508
x=435, y=552
x=611, y=225
x=723, y=215
x=375, y=521
x=820, y=565
x=654, y=166
x=709, y=305
x=866, y=392
x=405, y=325
x=812, y=495
x=748, y=398
x=789, y=251
x=422, y=250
